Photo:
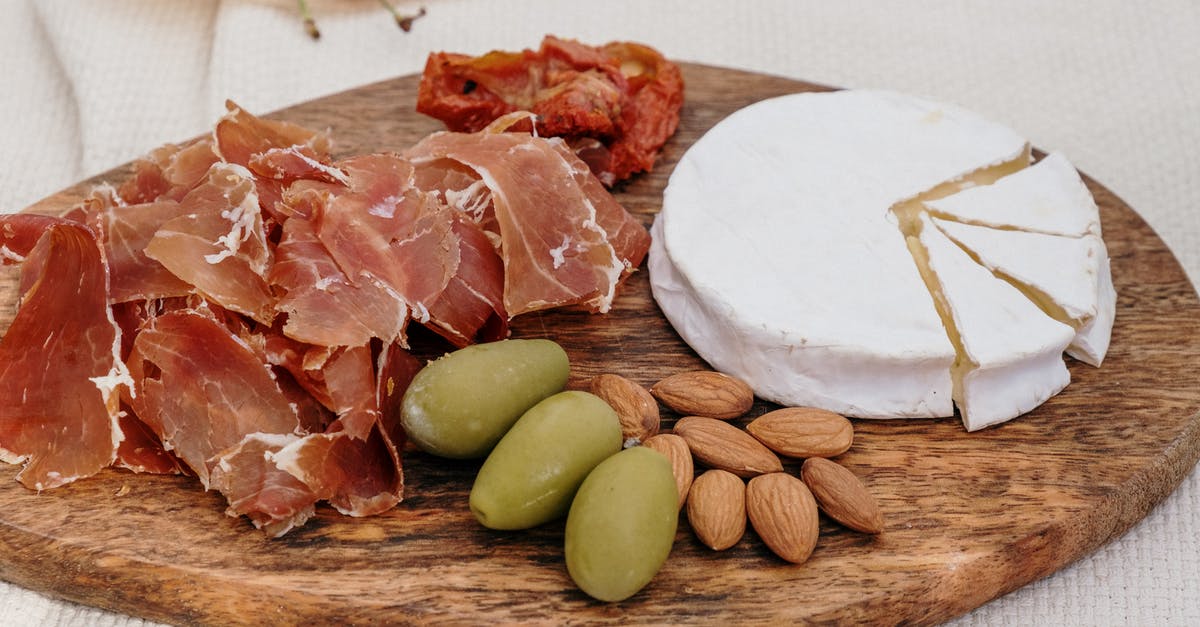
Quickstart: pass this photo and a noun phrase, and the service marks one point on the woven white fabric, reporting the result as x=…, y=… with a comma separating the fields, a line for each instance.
x=85, y=86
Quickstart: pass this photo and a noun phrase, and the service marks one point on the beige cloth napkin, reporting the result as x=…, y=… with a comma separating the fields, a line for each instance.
x=1114, y=84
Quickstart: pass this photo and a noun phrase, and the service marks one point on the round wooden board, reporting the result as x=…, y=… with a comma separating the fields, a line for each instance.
x=969, y=516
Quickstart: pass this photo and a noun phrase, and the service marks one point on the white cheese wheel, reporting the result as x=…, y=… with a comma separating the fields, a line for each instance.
x=777, y=259
x=793, y=251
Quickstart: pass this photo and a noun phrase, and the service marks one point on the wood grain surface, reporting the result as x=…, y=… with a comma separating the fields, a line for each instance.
x=969, y=517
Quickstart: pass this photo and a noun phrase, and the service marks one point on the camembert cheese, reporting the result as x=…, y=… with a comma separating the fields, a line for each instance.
x=782, y=256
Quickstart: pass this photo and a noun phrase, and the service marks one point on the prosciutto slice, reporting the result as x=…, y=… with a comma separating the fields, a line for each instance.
x=202, y=402
x=127, y=232
x=323, y=305
x=559, y=232
x=354, y=464
x=273, y=500
x=240, y=135
x=168, y=173
x=60, y=365
x=219, y=244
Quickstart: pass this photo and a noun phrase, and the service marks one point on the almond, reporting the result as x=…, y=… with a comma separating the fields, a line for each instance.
x=721, y=445
x=841, y=495
x=784, y=514
x=716, y=509
x=636, y=409
x=677, y=452
x=803, y=432
x=704, y=393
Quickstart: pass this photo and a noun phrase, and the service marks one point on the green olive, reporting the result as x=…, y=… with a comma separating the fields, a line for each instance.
x=460, y=405
x=533, y=473
x=622, y=524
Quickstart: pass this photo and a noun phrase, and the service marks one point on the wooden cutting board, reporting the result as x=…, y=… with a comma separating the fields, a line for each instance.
x=969, y=516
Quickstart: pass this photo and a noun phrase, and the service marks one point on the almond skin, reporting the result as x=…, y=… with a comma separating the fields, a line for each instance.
x=676, y=450
x=716, y=509
x=841, y=495
x=803, y=432
x=635, y=407
x=704, y=393
x=721, y=445
x=784, y=515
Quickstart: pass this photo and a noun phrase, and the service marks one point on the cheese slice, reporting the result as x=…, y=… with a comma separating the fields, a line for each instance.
x=1009, y=351
x=1047, y=197
x=1068, y=277
x=775, y=255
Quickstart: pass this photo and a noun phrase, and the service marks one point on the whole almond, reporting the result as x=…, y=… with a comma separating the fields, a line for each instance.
x=676, y=450
x=841, y=495
x=636, y=409
x=803, y=432
x=784, y=515
x=704, y=393
x=716, y=509
x=721, y=445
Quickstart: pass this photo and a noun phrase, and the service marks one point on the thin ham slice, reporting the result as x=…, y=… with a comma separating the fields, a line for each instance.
x=219, y=244
x=168, y=172
x=273, y=500
x=201, y=402
x=127, y=231
x=355, y=464
x=240, y=135
x=559, y=231
x=384, y=230
x=141, y=450
x=471, y=308
x=323, y=305
x=60, y=366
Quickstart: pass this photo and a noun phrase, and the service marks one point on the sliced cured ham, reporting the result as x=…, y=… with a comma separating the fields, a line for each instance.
x=60, y=364
x=273, y=500
x=168, y=173
x=354, y=464
x=471, y=308
x=556, y=246
x=219, y=244
x=237, y=309
x=141, y=450
x=323, y=305
x=240, y=135
x=202, y=402
x=127, y=231
x=386, y=231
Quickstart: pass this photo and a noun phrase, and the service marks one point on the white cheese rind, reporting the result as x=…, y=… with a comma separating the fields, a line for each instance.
x=1092, y=339
x=1047, y=197
x=1012, y=351
x=784, y=368
x=1071, y=272
x=777, y=259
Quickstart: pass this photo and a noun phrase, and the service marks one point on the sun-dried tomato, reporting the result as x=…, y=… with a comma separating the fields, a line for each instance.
x=616, y=105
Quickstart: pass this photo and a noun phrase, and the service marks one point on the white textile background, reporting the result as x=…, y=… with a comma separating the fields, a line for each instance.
x=86, y=86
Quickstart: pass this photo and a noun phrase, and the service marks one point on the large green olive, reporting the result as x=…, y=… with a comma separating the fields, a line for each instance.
x=622, y=524
x=460, y=405
x=533, y=473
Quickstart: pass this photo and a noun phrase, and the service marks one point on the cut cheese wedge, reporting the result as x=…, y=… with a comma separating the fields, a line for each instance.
x=1047, y=197
x=777, y=259
x=1009, y=351
x=1068, y=277
x=795, y=250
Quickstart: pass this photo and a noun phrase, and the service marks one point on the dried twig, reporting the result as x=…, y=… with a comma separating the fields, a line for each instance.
x=405, y=22
x=310, y=25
